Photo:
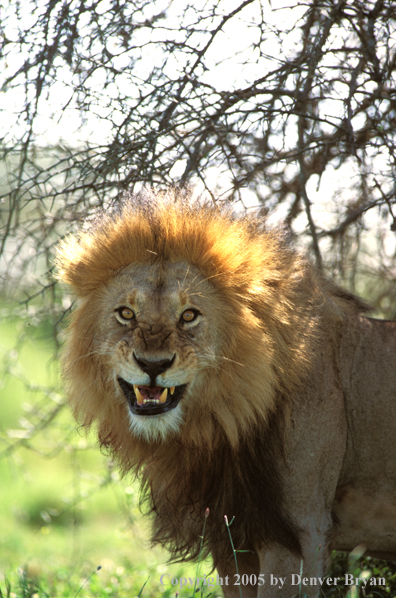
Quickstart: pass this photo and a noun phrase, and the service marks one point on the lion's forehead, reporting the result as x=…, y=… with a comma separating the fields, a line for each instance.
x=158, y=289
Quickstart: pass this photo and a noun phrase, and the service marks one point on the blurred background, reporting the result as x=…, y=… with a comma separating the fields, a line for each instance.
x=281, y=107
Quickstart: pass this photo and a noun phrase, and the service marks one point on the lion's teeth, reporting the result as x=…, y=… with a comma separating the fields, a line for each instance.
x=139, y=396
x=143, y=401
x=172, y=389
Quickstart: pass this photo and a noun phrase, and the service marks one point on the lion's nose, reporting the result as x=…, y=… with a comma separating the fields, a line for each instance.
x=154, y=367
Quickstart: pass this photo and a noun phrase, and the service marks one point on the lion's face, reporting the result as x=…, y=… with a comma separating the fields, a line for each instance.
x=157, y=335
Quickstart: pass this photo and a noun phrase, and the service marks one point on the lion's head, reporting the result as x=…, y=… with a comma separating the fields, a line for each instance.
x=191, y=322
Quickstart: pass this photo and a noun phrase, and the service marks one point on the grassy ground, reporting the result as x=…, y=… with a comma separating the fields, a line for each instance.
x=58, y=546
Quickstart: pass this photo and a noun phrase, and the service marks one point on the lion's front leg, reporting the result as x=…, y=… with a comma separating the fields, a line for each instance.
x=288, y=576
x=248, y=571
x=277, y=572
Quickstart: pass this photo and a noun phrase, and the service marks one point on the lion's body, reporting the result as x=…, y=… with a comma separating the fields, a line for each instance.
x=284, y=407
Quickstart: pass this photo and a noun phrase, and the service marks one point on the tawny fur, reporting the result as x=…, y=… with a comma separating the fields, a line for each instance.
x=272, y=322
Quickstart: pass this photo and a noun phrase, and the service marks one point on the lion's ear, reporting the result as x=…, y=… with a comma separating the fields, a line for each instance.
x=75, y=274
x=74, y=265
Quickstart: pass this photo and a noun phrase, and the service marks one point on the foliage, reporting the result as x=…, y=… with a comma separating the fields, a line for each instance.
x=292, y=106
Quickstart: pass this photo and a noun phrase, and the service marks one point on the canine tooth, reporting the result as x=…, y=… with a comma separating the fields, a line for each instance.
x=164, y=395
x=172, y=389
x=139, y=396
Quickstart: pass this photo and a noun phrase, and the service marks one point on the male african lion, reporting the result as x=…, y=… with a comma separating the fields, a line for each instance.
x=222, y=367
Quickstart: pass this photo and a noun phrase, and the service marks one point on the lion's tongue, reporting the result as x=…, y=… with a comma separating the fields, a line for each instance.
x=154, y=395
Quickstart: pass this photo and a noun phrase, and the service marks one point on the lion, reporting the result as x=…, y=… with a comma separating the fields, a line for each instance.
x=236, y=380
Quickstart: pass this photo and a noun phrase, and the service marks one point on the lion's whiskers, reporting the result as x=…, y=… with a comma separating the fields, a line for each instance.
x=186, y=290
x=232, y=361
x=213, y=276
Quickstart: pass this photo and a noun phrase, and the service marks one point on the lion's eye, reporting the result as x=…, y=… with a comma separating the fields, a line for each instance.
x=125, y=313
x=189, y=315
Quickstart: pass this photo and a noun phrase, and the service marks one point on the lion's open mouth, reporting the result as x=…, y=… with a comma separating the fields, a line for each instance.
x=147, y=400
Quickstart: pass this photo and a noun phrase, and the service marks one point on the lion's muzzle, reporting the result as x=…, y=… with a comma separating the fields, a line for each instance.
x=154, y=367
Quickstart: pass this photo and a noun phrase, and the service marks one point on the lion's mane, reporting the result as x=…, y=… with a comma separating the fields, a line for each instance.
x=273, y=300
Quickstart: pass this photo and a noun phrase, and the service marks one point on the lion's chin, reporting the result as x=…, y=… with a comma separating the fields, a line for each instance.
x=146, y=401
x=159, y=428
